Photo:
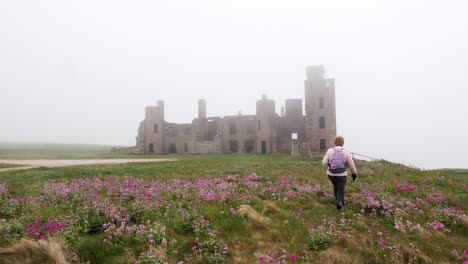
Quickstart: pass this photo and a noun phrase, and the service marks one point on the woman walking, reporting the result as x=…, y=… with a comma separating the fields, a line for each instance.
x=337, y=160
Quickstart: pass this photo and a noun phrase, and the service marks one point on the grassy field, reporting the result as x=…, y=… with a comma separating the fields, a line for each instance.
x=237, y=209
x=60, y=151
x=5, y=165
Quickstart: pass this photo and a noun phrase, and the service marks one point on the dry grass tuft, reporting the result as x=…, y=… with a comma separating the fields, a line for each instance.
x=252, y=215
x=409, y=255
x=238, y=255
x=271, y=207
x=50, y=251
x=334, y=255
x=348, y=250
x=346, y=242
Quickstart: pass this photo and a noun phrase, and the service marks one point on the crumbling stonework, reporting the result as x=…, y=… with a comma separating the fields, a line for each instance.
x=262, y=133
x=140, y=140
x=304, y=151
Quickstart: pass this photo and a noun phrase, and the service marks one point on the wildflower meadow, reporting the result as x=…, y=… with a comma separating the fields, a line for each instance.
x=190, y=212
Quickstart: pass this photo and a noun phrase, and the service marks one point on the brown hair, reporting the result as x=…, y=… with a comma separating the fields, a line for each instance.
x=339, y=141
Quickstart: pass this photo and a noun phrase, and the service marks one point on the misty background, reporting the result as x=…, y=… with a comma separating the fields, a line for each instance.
x=83, y=71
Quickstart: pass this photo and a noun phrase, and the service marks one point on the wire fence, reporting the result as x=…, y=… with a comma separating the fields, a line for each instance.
x=354, y=154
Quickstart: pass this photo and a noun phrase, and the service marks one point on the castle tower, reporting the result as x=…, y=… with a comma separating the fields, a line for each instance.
x=154, y=126
x=265, y=118
x=201, y=109
x=320, y=109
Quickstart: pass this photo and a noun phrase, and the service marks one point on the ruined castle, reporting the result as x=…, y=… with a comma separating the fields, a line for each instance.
x=262, y=133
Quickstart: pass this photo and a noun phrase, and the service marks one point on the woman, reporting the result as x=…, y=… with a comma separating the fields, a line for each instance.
x=337, y=160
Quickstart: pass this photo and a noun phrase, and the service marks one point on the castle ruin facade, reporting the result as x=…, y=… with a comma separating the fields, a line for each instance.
x=262, y=133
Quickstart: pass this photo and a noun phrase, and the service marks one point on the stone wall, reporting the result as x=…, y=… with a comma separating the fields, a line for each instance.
x=236, y=131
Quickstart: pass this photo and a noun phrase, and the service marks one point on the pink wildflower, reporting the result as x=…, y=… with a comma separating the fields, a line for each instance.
x=261, y=259
x=381, y=243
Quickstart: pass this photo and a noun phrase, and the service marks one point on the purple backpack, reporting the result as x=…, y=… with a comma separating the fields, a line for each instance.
x=337, y=163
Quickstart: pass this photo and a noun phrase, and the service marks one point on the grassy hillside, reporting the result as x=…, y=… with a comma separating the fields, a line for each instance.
x=57, y=151
x=6, y=165
x=239, y=209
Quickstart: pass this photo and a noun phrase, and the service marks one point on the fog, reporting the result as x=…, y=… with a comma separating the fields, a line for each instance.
x=83, y=71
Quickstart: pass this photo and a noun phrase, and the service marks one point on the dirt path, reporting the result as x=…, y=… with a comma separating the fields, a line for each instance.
x=30, y=164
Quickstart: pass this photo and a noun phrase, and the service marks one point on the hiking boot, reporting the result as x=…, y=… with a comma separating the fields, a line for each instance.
x=339, y=206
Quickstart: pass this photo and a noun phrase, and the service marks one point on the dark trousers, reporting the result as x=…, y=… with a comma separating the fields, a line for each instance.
x=339, y=183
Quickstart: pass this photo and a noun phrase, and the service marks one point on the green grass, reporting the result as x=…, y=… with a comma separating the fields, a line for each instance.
x=5, y=165
x=453, y=172
x=22, y=182
x=248, y=240
x=60, y=151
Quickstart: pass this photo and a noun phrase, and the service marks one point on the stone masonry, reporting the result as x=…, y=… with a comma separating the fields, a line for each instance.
x=262, y=133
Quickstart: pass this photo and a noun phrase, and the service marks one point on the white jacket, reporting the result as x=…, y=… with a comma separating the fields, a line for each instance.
x=349, y=162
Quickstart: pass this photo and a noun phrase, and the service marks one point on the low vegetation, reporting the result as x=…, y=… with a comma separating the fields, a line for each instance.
x=6, y=165
x=235, y=209
x=60, y=151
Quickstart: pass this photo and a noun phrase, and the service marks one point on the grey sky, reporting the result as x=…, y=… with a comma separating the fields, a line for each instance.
x=83, y=71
